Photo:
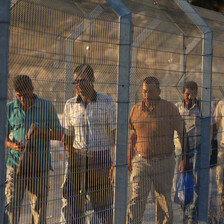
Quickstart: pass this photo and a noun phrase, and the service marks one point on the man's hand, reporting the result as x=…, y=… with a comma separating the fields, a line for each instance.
x=111, y=175
x=18, y=146
x=67, y=141
x=184, y=166
x=37, y=132
x=68, y=152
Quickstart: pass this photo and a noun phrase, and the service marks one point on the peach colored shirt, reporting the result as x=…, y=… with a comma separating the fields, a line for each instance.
x=154, y=127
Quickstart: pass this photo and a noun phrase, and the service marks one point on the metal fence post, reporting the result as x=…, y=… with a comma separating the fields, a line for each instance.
x=122, y=110
x=207, y=46
x=205, y=126
x=4, y=46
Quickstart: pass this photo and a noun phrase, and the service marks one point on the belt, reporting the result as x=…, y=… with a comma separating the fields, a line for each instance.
x=90, y=153
x=155, y=158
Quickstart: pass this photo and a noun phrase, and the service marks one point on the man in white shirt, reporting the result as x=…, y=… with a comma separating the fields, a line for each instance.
x=89, y=121
x=189, y=109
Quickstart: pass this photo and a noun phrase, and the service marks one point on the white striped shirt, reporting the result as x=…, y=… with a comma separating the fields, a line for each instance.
x=90, y=126
x=192, y=118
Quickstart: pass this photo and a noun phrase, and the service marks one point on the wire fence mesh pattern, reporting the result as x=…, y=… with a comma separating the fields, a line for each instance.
x=105, y=100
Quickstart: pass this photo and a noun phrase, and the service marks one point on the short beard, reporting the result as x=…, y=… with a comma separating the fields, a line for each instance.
x=189, y=105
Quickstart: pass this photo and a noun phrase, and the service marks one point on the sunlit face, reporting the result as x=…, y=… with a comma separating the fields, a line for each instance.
x=25, y=97
x=150, y=92
x=83, y=86
x=189, y=96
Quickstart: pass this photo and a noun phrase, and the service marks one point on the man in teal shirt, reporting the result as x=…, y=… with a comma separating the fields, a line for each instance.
x=26, y=110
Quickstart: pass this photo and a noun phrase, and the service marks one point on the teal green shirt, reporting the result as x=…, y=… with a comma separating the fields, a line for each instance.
x=43, y=113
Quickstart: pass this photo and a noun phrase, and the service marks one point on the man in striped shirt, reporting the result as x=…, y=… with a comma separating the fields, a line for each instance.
x=89, y=123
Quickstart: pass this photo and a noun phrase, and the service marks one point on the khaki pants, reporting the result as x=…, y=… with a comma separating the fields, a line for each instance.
x=158, y=172
x=219, y=170
x=14, y=191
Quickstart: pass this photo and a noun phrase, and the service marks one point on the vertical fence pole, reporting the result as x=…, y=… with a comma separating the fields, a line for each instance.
x=4, y=48
x=205, y=126
x=207, y=38
x=122, y=111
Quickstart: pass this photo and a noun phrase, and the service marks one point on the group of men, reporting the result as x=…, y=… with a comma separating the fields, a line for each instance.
x=88, y=135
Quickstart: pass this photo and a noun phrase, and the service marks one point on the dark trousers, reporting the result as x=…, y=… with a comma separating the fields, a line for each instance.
x=88, y=176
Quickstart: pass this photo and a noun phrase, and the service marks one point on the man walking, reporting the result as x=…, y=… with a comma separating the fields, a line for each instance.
x=28, y=110
x=89, y=121
x=189, y=109
x=151, y=152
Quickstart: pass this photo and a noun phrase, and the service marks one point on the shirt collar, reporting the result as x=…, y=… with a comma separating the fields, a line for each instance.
x=151, y=105
x=196, y=104
x=93, y=98
x=35, y=104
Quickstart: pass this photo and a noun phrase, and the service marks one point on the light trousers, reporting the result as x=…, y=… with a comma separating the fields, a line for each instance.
x=146, y=172
x=37, y=190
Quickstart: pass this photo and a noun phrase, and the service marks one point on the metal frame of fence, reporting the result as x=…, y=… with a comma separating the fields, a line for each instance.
x=130, y=41
x=4, y=46
x=122, y=110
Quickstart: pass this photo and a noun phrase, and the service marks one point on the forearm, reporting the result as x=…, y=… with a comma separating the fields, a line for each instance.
x=114, y=141
x=131, y=152
x=131, y=146
x=185, y=146
x=68, y=144
x=50, y=134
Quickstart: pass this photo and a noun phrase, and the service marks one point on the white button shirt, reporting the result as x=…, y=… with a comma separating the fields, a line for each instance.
x=90, y=126
x=192, y=118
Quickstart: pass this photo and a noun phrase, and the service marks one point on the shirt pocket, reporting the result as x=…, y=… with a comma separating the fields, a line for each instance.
x=77, y=120
x=98, y=117
x=16, y=121
x=18, y=131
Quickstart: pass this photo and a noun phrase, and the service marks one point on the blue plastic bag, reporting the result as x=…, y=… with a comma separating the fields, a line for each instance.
x=185, y=189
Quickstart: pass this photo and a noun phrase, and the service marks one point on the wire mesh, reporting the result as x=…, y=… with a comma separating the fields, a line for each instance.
x=48, y=40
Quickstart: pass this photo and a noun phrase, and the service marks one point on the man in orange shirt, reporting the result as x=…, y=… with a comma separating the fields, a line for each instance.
x=151, y=152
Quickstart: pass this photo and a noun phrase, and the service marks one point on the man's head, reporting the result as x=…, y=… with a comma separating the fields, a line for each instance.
x=83, y=80
x=150, y=89
x=24, y=90
x=190, y=91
